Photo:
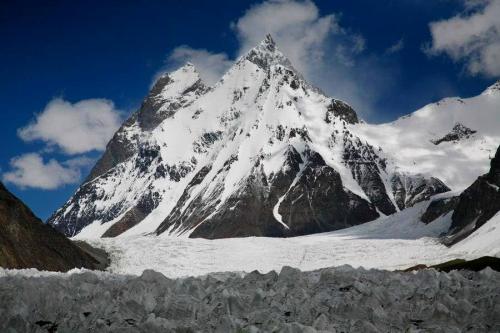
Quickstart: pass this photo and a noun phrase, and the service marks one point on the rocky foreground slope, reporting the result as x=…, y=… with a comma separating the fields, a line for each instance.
x=26, y=242
x=339, y=299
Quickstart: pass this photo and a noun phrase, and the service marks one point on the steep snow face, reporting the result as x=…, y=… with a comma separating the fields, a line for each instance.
x=453, y=139
x=261, y=153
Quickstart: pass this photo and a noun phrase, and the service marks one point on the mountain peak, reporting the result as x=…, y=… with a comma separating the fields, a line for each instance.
x=268, y=43
x=267, y=54
x=494, y=88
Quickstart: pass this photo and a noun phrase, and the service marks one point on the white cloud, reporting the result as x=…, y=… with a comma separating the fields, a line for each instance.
x=30, y=170
x=472, y=37
x=76, y=128
x=296, y=26
x=396, y=47
x=327, y=54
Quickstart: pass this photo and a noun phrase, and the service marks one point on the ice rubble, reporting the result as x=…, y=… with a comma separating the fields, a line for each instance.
x=339, y=299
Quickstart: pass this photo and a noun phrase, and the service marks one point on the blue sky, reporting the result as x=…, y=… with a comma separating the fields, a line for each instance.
x=380, y=56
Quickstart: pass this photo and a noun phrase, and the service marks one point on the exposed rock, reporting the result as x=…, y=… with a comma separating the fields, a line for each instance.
x=135, y=215
x=458, y=132
x=122, y=146
x=367, y=168
x=477, y=204
x=438, y=208
x=475, y=265
x=318, y=202
x=26, y=242
x=411, y=189
x=308, y=201
x=342, y=110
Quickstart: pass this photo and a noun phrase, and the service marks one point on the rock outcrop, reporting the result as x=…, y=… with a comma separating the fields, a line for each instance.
x=457, y=133
x=26, y=242
x=477, y=204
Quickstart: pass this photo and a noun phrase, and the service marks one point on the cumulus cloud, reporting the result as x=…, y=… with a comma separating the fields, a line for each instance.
x=31, y=171
x=296, y=26
x=75, y=128
x=472, y=37
x=327, y=54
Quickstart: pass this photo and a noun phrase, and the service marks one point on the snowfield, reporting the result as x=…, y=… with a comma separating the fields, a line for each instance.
x=394, y=242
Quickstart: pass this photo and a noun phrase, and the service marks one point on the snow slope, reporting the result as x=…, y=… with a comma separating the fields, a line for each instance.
x=484, y=241
x=457, y=162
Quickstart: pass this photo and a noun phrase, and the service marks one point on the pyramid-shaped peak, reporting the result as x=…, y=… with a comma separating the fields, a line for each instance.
x=268, y=43
x=188, y=67
x=186, y=72
x=267, y=53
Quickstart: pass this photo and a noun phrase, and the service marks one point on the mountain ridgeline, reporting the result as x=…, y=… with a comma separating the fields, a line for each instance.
x=260, y=153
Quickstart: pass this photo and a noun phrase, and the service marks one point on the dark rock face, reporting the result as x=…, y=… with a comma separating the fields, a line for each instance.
x=75, y=218
x=120, y=148
x=248, y=212
x=366, y=167
x=152, y=112
x=312, y=200
x=458, y=132
x=342, y=110
x=136, y=214
x=25, y=242
x=411, y=189
x=477, y=204
x=339, y=299
x=438, y=208
x=475, y=265
x=124, y=146
x=318, y=202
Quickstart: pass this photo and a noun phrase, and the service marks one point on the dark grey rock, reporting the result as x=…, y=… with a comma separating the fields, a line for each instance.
x=26, y=242
x=477, y=204
x=315, y=202
x=411, y=189
x=366, y=167
x=458, y=132
x=438, y=208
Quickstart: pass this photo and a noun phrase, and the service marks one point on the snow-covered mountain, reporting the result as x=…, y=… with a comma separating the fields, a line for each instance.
x=453, y=139
x=264, y=153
